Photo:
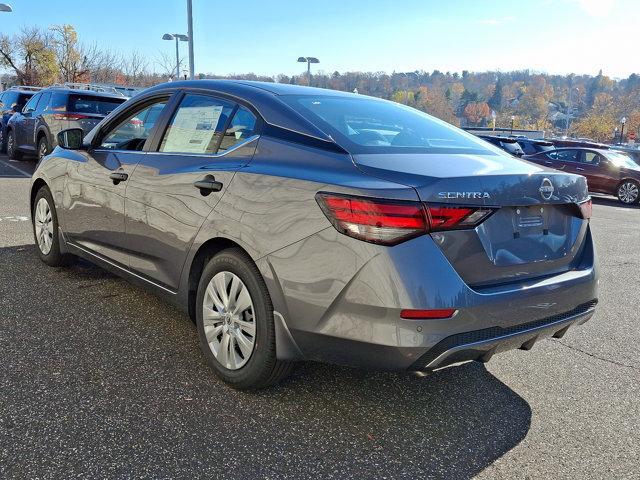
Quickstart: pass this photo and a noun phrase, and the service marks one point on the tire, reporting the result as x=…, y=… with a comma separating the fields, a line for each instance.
x=3, y=141
x=628, y=192
x=230, y=279
x=45, y=230
x=12, y=151
x=43, y=147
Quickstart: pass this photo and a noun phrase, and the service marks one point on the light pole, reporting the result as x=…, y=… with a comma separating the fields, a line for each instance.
x=512, y=120
x=190, y=38
x=569, y=108
x=5, y=7
x=177, y=37
x=623, y=120
x=309, y=61
x=493, y=119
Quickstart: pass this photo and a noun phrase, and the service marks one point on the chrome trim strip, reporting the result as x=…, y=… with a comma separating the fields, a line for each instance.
x=433, y=364
x=103, y=259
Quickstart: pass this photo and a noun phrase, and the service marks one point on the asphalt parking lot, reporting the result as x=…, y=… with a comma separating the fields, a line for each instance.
x=100, y=379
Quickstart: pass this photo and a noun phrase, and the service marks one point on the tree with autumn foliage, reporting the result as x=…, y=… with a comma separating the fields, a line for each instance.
x=476, y=113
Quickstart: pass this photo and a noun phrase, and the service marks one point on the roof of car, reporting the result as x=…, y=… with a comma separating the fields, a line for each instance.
x=93, y=93
x=271, y=87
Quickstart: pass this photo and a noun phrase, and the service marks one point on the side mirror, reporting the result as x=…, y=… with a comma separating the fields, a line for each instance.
x=71, y=138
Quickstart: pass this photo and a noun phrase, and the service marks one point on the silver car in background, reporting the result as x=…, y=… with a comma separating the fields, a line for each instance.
x=295, y=223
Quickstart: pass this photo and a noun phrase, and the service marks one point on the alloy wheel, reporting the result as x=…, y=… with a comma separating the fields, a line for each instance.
x=229, y=321
x=628, y=192
x=43, y=223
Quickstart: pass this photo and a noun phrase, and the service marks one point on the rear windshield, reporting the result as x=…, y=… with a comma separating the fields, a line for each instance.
x=91, y=104
x=621, y=159
x=368, y=125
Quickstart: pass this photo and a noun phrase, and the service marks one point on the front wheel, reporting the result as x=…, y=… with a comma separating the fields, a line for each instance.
x=235, y=323
x=3, y=140
x=12, y=150
x=45, y=229
x=628, y=192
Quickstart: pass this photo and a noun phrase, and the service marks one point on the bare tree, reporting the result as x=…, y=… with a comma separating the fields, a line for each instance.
x=30, y=55
x=134, y=68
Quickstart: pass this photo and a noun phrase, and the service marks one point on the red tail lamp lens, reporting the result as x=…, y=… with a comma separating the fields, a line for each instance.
x=372, y=220
x=389, y=222
x=427, y=314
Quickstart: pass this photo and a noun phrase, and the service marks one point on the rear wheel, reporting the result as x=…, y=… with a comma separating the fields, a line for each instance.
x=45, y=229
x=628, y=192
x=43, y=147
x=235, y=323
x=12, y=151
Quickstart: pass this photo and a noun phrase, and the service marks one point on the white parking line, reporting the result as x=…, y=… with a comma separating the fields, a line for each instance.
x=21, y=172
x=14, y=218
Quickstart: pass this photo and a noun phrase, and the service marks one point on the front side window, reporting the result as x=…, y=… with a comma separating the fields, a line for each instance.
x=132, y=132
x=242, y=126
x=31, y=104
x=368, y=125
x=197, y=125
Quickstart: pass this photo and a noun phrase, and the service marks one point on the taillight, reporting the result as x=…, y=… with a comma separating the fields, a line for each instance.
x=389, y=222
x=452, y=217
x=585, y=209
x=69, y=116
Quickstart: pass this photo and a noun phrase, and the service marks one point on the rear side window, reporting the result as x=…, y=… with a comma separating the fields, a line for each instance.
x=92, y=105
x=197, y=125
x=58, y=102
x=565, y=155
x=592, y=158
x=242, y=126
x=527, y=148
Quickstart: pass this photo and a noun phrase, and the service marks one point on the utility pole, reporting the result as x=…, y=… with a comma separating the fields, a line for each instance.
x=190, y=35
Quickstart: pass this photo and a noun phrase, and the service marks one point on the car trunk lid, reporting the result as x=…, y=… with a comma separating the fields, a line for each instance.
x=536, y=228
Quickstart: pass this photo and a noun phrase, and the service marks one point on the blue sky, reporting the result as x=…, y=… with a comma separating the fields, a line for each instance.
x=267, y=36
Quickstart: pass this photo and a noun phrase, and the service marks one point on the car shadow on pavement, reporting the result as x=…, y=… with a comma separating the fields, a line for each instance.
x=611, y=202
x=100, y=376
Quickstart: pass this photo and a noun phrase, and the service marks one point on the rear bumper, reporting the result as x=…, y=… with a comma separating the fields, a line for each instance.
x=341, y=300
x=483, y=344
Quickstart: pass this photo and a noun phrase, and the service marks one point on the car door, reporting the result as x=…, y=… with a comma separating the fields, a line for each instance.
x=25, y=123
x=175, y=187
x=593, y=168
x=97, y=182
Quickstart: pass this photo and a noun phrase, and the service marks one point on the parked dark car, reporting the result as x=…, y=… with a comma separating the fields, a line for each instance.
x=12, y=100
x=33, y=130
x=572, y=142
x=531, y=146
x=607, y=171
x=297, y=223
x=505, y=143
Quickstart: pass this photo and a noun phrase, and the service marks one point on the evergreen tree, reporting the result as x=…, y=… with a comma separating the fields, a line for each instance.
x=495, y=101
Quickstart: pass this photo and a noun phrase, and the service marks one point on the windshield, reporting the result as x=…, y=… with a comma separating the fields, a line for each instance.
x=367, y=125
x=621, y=160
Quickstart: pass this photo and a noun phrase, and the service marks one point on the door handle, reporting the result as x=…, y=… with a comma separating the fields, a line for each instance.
x=580, y=169
x=118, y=177
x=548, y=163
x=207, y=185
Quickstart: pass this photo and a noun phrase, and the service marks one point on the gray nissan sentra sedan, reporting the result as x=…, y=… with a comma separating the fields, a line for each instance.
x=295, y=223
